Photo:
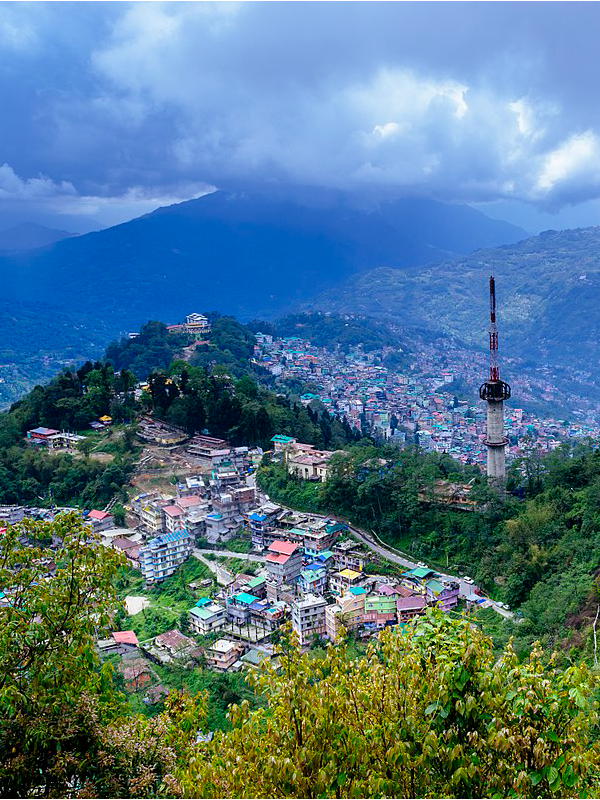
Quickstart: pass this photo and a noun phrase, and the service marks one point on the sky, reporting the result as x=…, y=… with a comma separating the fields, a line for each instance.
x=112, y=109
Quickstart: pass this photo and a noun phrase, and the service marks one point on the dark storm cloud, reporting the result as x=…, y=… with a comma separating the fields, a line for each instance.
x=110, y=108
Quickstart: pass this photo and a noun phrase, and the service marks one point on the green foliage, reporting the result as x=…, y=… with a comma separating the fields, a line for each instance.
x=540, y=555
x=245, y=412
x=428, y=712
x=154, y=348
x=328, y=330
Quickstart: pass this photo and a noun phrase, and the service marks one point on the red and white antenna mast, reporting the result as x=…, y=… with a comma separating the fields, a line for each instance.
x=494, y=371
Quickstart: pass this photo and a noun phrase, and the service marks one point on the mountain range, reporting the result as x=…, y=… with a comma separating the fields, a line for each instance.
x=260, y=254
x=29, y=236
x=249, y=254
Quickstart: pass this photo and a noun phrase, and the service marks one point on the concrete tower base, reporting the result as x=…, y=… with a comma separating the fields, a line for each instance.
x=496, y=443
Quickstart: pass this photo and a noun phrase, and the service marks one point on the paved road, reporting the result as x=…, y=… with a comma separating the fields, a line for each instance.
x=371, y=543
x=212, y=565
x=231, y=554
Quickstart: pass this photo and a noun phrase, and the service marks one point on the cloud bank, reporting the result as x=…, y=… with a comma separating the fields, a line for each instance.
x=120, y=105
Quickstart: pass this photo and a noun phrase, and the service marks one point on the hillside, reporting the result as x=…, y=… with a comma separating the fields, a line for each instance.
x=29, y=235
x=37, y=340
x=547, y=288
x=245, y=254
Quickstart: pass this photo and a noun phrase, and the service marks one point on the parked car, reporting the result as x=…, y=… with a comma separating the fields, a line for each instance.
x=468, y=580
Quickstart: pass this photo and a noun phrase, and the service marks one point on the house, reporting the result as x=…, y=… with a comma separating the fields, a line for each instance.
x=348, y=612
x=284, y=562
x=64, y=440
x=100, y=520
x=41, y=435
x=129, y=548
x=349, y=555
x=238, y=607
x=280, y=442
x=341, y=581
x=207, y=616
x=453, y=495
x=256, y=586
x=175, y=642
x=380, y=610
x=196, y=324
x=409, y=607
x=267, y=614
x=127, y=640
x=173, y=518
x=254, y=658
x=261, y=521
x=308, y=618
x=309, y=466
x=120, y=642
x=150, y=512
x=313, y=581
x=319, y=537
x=443, y=594
x=223, y=654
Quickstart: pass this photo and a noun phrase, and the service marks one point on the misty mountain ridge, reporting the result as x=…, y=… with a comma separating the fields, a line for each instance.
x=29, y=236
x=249, y=254
x=547, y=289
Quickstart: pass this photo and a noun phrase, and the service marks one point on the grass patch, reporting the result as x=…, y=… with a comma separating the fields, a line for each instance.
x=241, y=543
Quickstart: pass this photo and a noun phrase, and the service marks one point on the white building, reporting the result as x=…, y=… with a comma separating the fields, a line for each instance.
x=308, y=618
x=161, y=556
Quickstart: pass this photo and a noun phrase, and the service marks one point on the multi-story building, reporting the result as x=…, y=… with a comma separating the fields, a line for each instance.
x=151, y=514
x=196, y=324
x=313, y=581
x=161, y=556
x=261, y=521
x=10, y=515
x=284, y=562
x=380, y=610
x=100, y=520
x=349, y=555
x=341, y=581
x=207, y=616
x=173, y=518
x=223, y=654
x=409, y=607
x=320, y=537
x=238, y=607
x=347, y=611
x=308, y=618
x=444, y=594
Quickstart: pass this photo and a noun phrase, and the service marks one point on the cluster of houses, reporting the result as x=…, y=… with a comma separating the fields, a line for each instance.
x=209, y=507
x=316, y=581
x=412, y=398
x=61, y=440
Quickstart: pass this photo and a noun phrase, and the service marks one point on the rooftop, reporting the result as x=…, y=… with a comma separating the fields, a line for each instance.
x=224, y=646
x=283, y=548
x=349, y=574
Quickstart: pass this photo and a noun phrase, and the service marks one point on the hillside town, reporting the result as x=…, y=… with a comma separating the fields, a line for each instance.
x=302, y=569
x=420, y=402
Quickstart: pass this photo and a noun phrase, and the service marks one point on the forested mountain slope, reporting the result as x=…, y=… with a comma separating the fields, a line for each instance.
x=248, y=254
x=547, y=288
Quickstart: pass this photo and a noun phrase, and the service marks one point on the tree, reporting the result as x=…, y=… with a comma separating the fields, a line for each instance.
x=429, y=713
x=64, y=729
x=85, y=447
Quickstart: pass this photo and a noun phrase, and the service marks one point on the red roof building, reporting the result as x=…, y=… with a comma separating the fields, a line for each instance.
x=284, y=561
